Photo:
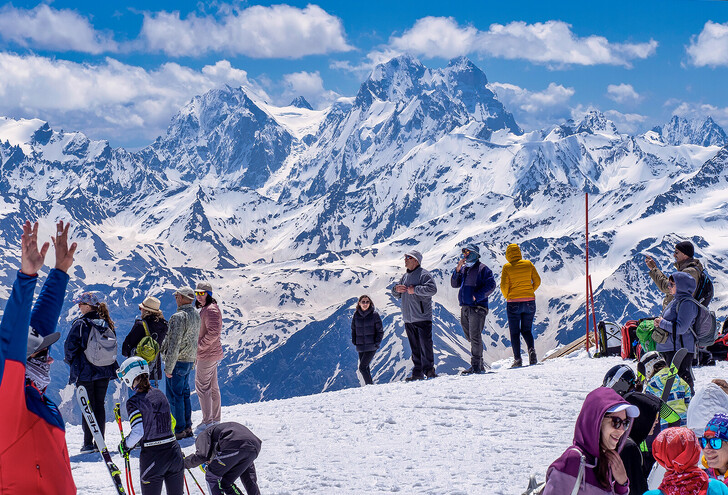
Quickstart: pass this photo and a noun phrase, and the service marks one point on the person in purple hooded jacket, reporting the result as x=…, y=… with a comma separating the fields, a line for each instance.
x=678, y=319
x=592, y=466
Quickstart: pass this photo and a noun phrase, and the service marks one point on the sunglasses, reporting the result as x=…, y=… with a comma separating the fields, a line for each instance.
x=619, y=423
x=714, y=443
x=409, y=257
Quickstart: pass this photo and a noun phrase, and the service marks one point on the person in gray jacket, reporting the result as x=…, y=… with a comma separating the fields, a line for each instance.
x=179, y=351
x=415, y=289
x=229, y=450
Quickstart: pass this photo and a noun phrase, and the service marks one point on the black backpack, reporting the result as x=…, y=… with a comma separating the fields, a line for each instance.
x=704, y=292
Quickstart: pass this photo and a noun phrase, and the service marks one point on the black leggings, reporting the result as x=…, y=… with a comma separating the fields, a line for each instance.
x=686, y=369
x=96, y=391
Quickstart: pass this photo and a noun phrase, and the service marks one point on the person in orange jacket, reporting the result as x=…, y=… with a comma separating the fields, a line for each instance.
x=519, y=281
x=33, y=453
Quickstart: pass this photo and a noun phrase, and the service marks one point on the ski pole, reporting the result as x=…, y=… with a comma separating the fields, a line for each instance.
x=185, y=478
x=127, y=464
x=195, y=480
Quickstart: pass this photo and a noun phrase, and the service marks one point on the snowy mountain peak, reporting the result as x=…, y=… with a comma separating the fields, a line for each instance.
x=595, y=122
x=680, y=130
x=300, y=102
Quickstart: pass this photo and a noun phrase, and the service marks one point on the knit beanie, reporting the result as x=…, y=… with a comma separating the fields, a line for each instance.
x=717, y=427
x=685, y=247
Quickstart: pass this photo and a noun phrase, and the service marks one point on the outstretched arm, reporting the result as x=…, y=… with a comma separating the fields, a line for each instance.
x=47, y=309
x=16, y=317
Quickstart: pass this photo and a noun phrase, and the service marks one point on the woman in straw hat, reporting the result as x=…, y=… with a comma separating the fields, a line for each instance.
x=151, y=314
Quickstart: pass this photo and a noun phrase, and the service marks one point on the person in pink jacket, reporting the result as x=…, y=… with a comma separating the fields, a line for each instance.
x=209, y=355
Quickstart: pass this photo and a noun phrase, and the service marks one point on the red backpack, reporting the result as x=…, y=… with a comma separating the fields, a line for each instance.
x=631, y=347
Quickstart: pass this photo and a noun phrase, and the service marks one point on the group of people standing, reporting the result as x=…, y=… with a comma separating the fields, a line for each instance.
x=33, y=450
x=189, y=340
x=475, y=281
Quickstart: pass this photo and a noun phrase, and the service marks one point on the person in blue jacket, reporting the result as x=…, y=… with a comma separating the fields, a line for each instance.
x=475, y=281
x=33, y=452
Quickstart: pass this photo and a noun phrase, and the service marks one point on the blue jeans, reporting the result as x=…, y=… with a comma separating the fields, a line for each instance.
x=177, y=390
x=520, y=322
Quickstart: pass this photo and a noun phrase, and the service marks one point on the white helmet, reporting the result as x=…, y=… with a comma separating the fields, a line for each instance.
x=646, y=366
x=131, y=369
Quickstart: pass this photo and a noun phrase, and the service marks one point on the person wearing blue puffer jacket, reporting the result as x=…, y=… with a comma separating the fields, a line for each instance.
x=679, y=325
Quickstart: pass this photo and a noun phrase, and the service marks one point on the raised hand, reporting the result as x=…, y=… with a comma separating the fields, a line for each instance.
x=31, y=260
x=64, y=254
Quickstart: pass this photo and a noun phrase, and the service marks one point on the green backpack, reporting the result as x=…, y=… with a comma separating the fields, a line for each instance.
x=147, y=348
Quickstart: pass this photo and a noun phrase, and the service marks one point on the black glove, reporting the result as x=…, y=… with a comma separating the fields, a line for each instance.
x=123, y=450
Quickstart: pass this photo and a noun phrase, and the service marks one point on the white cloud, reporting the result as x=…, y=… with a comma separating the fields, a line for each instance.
x=310, y=85
x=555, y=95
x=279, y=31
x=436, y=37
x=127, y=104
x=551, y=42
x=535, y=109
x=710, y=47
x=58, y=30
x=693, y=110
x=373, y=59
x=629, y=123
x=623, y=94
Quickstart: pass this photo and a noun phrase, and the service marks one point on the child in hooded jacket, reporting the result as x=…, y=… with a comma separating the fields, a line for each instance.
x=592, y=466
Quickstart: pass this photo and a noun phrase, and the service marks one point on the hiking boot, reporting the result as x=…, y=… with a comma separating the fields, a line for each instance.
x=469, y=371
x=431, y=373
x=87, y=449
x=517, y=363
x=532, y=359
x=413, y=378
x=186, y=433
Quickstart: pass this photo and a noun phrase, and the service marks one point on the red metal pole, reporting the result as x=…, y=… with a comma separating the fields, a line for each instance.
x=594, y=314
x=586, y=209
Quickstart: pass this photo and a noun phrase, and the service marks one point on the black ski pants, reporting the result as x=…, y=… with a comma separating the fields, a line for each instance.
x=365, y=359
x=419, y=335
x=226, y=467
x=96, y=391
x=162, y=465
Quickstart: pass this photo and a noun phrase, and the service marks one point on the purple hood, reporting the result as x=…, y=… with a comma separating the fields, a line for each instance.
x=589, y=422
x=586, y=439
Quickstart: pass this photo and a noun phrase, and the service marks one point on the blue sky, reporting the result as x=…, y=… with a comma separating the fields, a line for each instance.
x=120, y=73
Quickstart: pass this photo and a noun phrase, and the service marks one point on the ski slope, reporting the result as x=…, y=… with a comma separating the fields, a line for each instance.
x=480, y=434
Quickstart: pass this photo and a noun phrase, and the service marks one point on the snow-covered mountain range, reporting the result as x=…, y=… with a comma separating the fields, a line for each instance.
x=291, y=213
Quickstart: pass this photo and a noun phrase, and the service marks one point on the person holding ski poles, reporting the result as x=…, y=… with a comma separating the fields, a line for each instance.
x=229, y=449
x=32, y=430
x=679, y=326
x=160, y=460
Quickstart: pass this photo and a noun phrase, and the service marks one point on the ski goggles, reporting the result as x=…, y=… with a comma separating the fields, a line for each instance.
x=619, y=423
x=202, y=293
x=714, y=443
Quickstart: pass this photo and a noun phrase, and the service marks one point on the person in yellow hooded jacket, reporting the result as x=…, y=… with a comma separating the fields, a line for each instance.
x=519, y=281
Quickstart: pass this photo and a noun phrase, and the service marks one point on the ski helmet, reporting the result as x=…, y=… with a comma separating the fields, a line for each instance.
x=621, y=379
x=131, y=369
x=646, y=366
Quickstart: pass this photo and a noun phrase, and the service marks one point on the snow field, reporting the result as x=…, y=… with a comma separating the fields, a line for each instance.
x=480, y=434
